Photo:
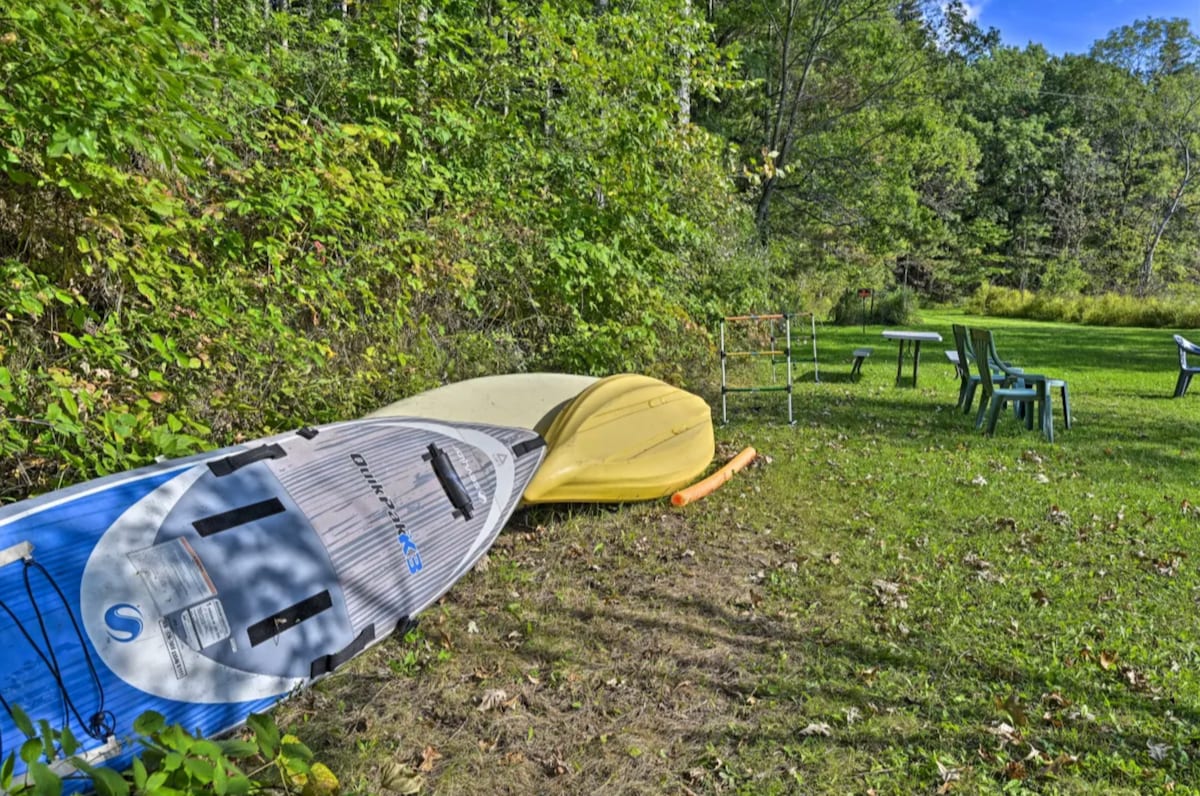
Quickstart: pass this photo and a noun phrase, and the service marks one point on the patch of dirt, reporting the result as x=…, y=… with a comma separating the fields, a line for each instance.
x=598, y=650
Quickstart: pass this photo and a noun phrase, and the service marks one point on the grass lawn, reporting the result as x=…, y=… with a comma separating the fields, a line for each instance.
x=889, y=602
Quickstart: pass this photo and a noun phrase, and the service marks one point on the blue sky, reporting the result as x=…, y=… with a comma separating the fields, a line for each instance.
x=1064, y=26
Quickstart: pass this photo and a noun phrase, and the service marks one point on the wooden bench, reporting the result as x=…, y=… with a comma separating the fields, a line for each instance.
x=860, y=354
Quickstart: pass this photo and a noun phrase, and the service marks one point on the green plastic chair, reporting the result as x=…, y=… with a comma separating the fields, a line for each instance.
x=968, y=380
x=1010, y=388
x=1186, y=371
x=966, y=354
x=1051, y=384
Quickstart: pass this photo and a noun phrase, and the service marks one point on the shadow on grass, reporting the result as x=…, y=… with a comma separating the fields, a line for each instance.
x=738, y=653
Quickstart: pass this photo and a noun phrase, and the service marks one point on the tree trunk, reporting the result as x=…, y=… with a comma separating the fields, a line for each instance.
x=1147, y=269
x=786, y=111
x=285, y=7
x=685, y=69
x=420, y=47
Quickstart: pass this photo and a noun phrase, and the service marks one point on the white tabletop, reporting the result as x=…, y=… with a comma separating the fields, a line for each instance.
x=900, y=334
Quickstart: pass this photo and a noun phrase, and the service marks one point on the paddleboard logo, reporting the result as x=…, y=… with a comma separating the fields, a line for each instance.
x=124, y=622
x=411, y=554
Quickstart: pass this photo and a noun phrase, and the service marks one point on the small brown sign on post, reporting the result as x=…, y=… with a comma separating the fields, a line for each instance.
x=864, y=293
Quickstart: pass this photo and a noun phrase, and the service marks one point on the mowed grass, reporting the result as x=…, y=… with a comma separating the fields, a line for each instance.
x=889, y=602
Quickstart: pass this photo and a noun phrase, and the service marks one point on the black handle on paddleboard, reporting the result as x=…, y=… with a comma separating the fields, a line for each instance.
x=231, y=464
x=448, y=477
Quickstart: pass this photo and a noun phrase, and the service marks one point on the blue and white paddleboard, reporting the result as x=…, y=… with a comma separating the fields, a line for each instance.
x=210, y=587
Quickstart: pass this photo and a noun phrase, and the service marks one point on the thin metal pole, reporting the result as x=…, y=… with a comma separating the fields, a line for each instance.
x=787, y=325
x=724, y=414
x=812, y=316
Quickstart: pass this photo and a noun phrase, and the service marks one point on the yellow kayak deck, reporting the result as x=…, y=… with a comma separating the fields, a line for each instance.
x=626, y=437
x=521, y=400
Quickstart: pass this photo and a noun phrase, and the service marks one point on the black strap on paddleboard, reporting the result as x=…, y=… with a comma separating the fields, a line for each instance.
x=231, y=464
x=327, y=663
x=308, y=432
x=242, y=515
x=276, y=623
x=522, y=448
x=448, y=477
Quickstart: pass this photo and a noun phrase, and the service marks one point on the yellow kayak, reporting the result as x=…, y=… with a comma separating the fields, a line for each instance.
x=626, y=437
x=521, y=400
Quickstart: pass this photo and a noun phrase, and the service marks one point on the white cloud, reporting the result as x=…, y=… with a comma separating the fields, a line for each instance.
x=973, y=10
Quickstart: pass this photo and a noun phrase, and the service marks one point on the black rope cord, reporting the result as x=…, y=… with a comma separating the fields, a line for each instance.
x=102, y=723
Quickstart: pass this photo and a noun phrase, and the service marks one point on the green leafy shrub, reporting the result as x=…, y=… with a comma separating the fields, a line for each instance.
x=171, y=761
x=1110, y=309
x=218, y=221
x=895, y=307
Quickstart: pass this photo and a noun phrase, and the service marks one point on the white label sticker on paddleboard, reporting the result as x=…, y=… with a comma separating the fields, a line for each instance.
x=173, y=574
x=172, y=645
x=204, y=625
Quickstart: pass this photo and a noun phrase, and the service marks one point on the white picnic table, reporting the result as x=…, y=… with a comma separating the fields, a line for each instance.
x=911, y=340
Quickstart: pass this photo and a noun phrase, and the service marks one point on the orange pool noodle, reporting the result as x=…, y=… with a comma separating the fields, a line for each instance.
x=710, y=484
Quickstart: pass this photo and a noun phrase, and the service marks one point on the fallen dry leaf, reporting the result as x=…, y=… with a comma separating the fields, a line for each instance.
x=554, y=766
x=1137, y=680
x=429, y=756
x=1055, y=699
x=1006, y=732
x=888, y=594
x=817, y=728
x=949, y=777
x=1015, y=769
x=1059, y=763
x=1013, y=707
x=492, y=698
x=401, y=779
x=1058, y=516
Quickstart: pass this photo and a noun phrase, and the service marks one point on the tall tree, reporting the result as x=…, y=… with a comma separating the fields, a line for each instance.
x=844, y=131
x=1163, y=59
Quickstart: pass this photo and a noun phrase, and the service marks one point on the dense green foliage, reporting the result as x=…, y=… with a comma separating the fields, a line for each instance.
x=169, y=761
x=215, y=221
x=219, y=217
